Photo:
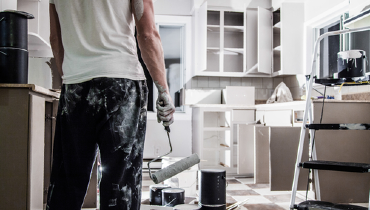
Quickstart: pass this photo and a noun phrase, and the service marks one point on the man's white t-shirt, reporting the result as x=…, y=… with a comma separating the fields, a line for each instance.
x=98, y=40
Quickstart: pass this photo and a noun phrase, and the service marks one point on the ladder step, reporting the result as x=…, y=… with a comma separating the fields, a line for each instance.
x=350, y=126
x=327, y=205
x=336, y=166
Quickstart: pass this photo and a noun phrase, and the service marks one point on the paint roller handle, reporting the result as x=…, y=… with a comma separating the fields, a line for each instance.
x=167, y=128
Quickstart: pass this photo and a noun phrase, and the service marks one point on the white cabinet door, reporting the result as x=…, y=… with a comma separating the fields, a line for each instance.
x=292, y=23
x=264, y=41
x=200, y=38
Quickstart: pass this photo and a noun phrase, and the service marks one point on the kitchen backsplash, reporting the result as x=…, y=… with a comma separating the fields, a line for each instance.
x=264, y=87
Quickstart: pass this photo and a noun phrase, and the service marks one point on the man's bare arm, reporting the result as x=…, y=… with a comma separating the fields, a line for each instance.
x=152, y=54
x=56, y=38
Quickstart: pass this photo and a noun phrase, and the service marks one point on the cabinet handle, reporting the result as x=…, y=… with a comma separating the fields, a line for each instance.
x=2, y=19
x=3, y=53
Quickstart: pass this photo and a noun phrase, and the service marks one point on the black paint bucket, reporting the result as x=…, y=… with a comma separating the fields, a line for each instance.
x=14, y=29
x=212, y=187
x=13, y=65
x=155, y=197
x=173, y=196
x=350, y=64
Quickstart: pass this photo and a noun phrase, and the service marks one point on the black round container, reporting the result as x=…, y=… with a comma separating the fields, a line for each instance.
x=351, y=64
x=212, y=187
x=155, y=197
x=173, y=196
x=13, y=66
x=213, y=207
x=14, y=29
x=186, y=207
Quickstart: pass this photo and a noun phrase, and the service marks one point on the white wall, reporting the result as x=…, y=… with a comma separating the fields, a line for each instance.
x=314, y=8
x=8, y=4
x=173, y=7
x=39, y=73
x=156, y=141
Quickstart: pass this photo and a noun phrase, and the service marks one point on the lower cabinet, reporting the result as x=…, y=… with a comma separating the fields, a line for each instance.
x=215, y=137
x=273, y=151
x=27, y=118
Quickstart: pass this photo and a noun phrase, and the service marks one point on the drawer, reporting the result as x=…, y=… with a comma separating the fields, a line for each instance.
x=243, y=116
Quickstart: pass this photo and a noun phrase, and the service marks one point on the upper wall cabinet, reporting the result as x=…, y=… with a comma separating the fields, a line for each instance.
x=258, y=42
x=220, y=42
x=288, y=23
x=255, y=42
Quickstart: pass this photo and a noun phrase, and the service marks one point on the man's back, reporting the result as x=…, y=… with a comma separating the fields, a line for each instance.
x=98, y=40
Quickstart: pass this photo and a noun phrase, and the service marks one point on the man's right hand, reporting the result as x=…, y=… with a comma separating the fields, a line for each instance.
x=165, y=109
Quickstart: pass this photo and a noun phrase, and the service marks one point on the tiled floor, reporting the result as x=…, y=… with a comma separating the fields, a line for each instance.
x=258, y=196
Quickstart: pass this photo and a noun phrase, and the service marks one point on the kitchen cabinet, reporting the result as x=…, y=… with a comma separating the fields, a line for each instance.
x=253, y=42
x=28, y=114
x=259, y=42
x=281, y=114
x=288, y=23
x=220, y=42
x=214, y=139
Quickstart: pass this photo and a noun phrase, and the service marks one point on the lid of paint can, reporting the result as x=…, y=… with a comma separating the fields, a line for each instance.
x=187, y=207
x=213, y=170
x=158, y=187
x=173, y=190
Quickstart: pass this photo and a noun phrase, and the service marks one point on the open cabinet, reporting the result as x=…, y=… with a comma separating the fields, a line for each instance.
x=215, y=137
x=288, y=22
x=259, y=43
x=222, y=40
x=254, y=42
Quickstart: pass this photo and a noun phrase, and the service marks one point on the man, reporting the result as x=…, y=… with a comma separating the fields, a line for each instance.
x=104, y=98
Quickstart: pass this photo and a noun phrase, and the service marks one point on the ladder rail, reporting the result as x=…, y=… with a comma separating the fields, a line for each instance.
x=307, y=109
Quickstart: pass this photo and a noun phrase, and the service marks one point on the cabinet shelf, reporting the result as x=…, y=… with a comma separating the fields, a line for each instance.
x=213, y=28
x=216, y=128
x=277, y=25
x=234, y=50
x=215, y=50
x=253, y=69
x=220, y=148
x=234, y=28
x=277, y=49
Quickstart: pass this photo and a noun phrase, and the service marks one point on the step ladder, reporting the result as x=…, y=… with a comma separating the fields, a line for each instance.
x=323, y=164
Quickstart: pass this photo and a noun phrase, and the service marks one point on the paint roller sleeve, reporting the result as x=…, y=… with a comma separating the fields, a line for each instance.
x=175, y=168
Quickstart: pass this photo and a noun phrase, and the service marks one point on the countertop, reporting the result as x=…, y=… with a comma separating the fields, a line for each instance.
x=35, y=88
x=275, y=106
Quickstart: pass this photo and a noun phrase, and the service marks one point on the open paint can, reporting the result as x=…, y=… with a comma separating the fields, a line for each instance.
x=155, y=197
x=186, y=207
x=212, y=187
x=173, y=196
x=351, y=64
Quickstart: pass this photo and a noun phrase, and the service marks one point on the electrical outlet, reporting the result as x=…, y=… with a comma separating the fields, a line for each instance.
x=157, y=150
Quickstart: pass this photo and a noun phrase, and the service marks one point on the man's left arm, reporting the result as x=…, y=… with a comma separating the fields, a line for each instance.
x=56, y=38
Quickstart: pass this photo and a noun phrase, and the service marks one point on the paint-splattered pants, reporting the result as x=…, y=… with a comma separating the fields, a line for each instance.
x=104, y=113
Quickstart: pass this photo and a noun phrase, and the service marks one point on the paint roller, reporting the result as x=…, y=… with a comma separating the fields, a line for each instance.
x=173, y=169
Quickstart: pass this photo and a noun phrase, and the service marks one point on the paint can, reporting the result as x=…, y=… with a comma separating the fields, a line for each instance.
x=351, y=64
x=212, y=187
x=186, y=207
x=173, y=196
x=155, y=197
